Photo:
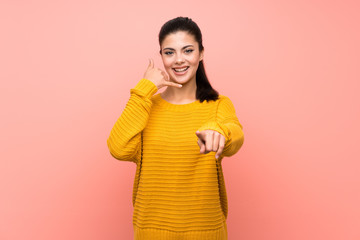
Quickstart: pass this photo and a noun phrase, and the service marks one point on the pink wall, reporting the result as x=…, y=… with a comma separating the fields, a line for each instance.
x=290, y=67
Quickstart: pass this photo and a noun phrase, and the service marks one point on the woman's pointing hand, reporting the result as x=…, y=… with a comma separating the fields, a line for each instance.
x=210, y=141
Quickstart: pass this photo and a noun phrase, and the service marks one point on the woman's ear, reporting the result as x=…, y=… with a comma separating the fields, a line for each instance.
x=201, y=55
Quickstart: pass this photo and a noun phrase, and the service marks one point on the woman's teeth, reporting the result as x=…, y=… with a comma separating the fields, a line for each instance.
x=181, y=69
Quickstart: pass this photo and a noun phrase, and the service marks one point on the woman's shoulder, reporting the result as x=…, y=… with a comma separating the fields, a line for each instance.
x=225, y=102
x=223, y=98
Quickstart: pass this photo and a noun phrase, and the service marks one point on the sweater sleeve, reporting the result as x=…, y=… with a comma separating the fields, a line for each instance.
x=124, y=141
x=228, y=125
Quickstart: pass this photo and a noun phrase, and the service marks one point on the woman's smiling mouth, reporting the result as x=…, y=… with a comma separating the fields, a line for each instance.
x=180, y=71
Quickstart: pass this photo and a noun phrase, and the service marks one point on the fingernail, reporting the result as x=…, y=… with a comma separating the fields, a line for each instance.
x=216, y=156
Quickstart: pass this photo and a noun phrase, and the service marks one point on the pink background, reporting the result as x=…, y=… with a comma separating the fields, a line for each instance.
x=291, y=69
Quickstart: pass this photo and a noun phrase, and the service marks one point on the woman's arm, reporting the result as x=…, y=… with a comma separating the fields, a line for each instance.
x=228, y=125
x=124, y=141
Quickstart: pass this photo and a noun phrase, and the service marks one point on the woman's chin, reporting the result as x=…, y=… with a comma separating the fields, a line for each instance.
x=180, y=80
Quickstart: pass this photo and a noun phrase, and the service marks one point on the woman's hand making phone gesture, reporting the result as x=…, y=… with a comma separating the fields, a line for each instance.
x=158, y=77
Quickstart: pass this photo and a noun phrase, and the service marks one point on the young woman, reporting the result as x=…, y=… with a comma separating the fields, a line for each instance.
x=177, y=139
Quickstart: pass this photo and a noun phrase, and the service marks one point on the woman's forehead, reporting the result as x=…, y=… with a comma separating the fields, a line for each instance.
x=179, y=39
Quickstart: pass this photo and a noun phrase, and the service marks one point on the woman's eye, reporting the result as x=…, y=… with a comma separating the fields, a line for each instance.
x=189, y=50
x=168, y=53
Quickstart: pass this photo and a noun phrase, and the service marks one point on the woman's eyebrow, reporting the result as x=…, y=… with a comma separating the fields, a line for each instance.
x=182, y=48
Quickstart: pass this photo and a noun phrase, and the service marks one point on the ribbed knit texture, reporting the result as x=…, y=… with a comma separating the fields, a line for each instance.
x=178, y=193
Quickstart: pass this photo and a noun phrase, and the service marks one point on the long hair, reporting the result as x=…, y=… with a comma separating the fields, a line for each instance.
x=204, y=90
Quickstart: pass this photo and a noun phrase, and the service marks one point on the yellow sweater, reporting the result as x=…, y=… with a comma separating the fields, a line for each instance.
x=178, y=192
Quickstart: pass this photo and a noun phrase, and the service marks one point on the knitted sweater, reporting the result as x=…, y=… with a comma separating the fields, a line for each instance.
x=178, y=192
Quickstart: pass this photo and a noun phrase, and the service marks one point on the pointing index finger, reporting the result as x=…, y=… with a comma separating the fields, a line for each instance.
x=199, y=134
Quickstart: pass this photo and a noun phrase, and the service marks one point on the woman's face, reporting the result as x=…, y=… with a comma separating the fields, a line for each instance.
x=180, y=51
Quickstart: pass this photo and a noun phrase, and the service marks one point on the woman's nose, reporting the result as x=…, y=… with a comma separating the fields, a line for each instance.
x=179, y=59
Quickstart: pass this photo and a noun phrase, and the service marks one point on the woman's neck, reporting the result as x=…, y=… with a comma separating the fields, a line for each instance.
x=183, y=95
